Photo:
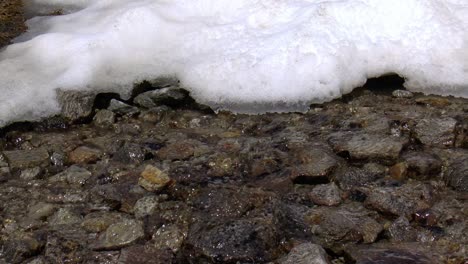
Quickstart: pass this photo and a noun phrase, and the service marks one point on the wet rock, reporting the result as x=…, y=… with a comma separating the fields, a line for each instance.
x=31, y=174
x=401, y=201
x=26, y=158
x=326, y=194
x=349, y=177
x=169, y=236
x=18, y=250
x=176, y=151
x=154, y=114
x=84, y=154
x=456, y=175
x=436, y=132
x=306, y=253
x=120, y=234
x=129, y=153
x=122, y=108
x=153, y=179
x=425, y=217
x=74, y=175
x=315, y=163
x=350, y=223
x=64, y=216
x=366, y=146
x=436, y=101
x=388, y=255
x=57, y=159
x=146, y=254
x=166, y=96
x=402, y=94
x=399, y=171
x=41, y=211
x=106, y=257
x=401, y=230
x=245, y=240
x=422, y=165
x=96, y=222
x=104, y=118
x=75, y=104
x=67, y=245
x=147, y=205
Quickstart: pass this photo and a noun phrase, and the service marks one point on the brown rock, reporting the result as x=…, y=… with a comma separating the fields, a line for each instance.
x=84, y=154
x=153, y=179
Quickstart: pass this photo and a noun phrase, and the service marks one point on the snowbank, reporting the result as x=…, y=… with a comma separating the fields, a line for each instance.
x=243, y=55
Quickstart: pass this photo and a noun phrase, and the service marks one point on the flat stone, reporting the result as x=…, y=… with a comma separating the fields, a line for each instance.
x=74, y=175
x=84, y=154
x=326, y=194
x=153, y=179
x=314, y=164
x=402, y=94
x=164, y=96
x=349, y=177
x=104, y=118
x=122, y=108
x=146, y=254
x=436, y=132
x=64, y=216
x=31, y=173
x=41, y=211
x=401, y=230
x=176, y=151
x=361, y=146
x=400, y=253
x=422, y=165
x=96, y=222
x=26, y=158
x=169, y=236
x=456, y=175
x=306, y=253
x=120, y=234
x=147, y=205
x=75, y=104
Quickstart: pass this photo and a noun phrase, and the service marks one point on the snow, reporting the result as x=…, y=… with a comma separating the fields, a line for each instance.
x=241, y=55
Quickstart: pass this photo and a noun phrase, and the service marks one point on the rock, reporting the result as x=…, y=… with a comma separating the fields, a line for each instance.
x=422, y=165
x=41, y=211
x=169, y=236
x=122, y=108
x=166, y=96
x=456, y=175
x=399, y=171
x=326, y=194
x=120, y=234
x=129, y=153
x=388, y=254
x=314, y=164
x=104, y=118
x=147, y=205
x=401, y=230
x=436, y=132
x=75, y=104
x=96, y=222
x=306, y=253
x=349, y=177
x=106, y=257
x=362, y=146
x=74, y=175
x=349, y=223
x=57, y=159
x=18, y=250
x=145, y=254
x=176, y=151
x=153, y=179
x=84, y=154
x=66, y=245
x=436, y=101
x=425, y=217
x=64, y=216
x=31, y=174
x=21, y=159
x=402, y=94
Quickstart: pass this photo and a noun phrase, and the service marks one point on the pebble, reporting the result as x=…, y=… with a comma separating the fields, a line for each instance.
x=84, y=154
x=120, y=234
x=306, y=253
x=436, y=132
x=153, y=179
x=326, y=194
x=104, y=118
x=21, y=159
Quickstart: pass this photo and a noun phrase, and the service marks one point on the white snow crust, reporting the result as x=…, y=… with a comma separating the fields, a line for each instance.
x=242, y=55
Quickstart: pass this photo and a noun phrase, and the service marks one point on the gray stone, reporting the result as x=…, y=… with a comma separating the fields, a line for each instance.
x=349, y=177
x=129, y=153
x=363, y=146
x=422, y=165
x=26, y=158
x=96, y=222
x=75, y=104
x=147, y=205
x=30, y=174
x=41, y=211
x=74, y=175
x=104, y=118
x=401, y=230
x=120, y=234
x=436, y=132
x=456, y=175
x=314, y=164
x=169, y=236
x=122, y=108
x=402, y=94
x=64, y=216
x=164, y=96
x=306, y=253
x=326, y=194
x=145, y=254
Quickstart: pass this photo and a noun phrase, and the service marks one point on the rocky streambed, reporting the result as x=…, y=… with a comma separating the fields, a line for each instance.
x=374, y=177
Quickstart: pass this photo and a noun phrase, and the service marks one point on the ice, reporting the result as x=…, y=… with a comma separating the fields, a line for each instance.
x=241, y=55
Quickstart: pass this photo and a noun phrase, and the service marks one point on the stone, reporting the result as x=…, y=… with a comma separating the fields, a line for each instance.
x=74, y=175
x=75, y=104
x=121, y=234
x=64, y=216
x=388, y=254
x=41, y=211
x=349, y=177
x=21, y=159
x=153, y=179
x=436, y=132
x=314, y=164
x=401, y=230
x=456, y=175
x=399, y=171
x=104, y=118
x=169, y=236
x=147, y=205
x=325, y=194
x=422, y=165
x=176, y=151
x=129, y=153
x=122, y=108
x=164, y=96
x=306, y=253
x=362, y=146
x=402, y=94
x=18, y=250
x=84, y=154
x=31, y=173
x=96, y=222
x=145, y=254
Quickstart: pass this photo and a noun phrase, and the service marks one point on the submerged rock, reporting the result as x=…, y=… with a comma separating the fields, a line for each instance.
x=306, y=253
